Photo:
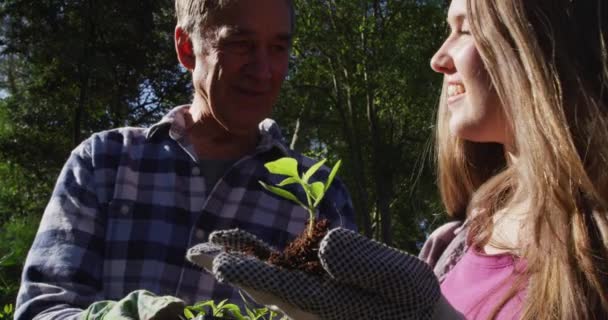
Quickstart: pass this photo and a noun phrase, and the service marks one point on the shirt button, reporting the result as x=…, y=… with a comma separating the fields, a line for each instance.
x=124, y=209
x=196, y=171
x=200, y=234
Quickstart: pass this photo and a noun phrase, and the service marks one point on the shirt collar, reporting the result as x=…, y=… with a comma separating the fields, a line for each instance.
x=270, y=132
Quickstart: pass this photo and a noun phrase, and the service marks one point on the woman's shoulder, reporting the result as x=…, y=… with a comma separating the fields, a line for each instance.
x=444, y=246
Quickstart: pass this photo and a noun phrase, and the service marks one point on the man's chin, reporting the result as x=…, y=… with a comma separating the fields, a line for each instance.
x=243, y=128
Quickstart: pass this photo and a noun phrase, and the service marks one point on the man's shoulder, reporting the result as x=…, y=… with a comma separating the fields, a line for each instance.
x=121, y=136
x=115, y=141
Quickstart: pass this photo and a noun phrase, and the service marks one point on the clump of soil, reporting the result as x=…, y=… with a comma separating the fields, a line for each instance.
x=301, y=253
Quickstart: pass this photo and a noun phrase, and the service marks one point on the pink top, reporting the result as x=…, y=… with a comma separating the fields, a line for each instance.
x=479, y=282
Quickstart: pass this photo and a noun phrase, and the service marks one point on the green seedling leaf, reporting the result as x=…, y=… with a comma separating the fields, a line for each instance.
x=188, y=313
x=287, y=181
x=250, y=313
x=332, y=174
x=284, y=166
x=234, y=310
x=317, y=190
x=219, y=309
x=200, y=307
x=282, y=193
x=311, y=171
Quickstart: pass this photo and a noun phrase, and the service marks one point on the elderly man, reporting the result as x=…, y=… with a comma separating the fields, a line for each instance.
x=130, y=201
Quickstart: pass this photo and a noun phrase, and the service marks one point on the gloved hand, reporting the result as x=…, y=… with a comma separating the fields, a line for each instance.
x=138, y=305
x=366, y=279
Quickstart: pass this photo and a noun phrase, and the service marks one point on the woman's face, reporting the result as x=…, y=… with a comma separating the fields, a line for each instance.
x=475, y=112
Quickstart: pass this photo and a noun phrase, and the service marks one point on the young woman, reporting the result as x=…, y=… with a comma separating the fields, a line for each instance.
x=522, y=145
x=523, y=159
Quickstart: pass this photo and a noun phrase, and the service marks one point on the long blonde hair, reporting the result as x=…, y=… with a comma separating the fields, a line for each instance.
x=548, y=62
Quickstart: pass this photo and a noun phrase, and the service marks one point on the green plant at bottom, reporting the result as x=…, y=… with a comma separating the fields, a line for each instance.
x=226, y=310
x=7, y=312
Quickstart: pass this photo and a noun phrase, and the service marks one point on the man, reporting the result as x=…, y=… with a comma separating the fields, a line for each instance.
x=130, y=201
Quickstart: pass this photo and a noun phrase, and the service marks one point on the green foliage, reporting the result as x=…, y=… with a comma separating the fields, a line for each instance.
x=68, y=69
x=315, y=191
x=7, y=311
x=360, y=89
x=16, y=237
x=229, y=311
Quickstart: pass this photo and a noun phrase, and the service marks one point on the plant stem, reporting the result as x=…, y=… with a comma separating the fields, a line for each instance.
x=311, y=222
x=311, y=211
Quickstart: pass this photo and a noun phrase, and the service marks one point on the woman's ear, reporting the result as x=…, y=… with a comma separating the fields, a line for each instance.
x=184, y=49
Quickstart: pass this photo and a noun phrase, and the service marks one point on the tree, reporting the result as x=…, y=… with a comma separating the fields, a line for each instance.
x=359, y=90
x=362, y=66
x=71, y=68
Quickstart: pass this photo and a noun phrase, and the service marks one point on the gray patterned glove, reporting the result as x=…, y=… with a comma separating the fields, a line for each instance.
x=366, y=279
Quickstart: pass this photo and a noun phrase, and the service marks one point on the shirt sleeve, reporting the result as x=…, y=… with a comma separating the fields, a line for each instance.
x=62, y=272
x=436, y=243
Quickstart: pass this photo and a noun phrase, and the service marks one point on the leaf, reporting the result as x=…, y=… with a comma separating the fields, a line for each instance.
x=8, y=309
x=261, y=312
x=284, y=166
x=188, y=313
x=219, y=309
x=234, y=310
x=332, y=174
x=250, y=313
x=287, y=181
x=317, y=189
x=200, y=307
x=311, y=171
x=282, y=193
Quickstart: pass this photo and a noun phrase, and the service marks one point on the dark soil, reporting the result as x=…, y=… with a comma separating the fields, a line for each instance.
x=302, y=252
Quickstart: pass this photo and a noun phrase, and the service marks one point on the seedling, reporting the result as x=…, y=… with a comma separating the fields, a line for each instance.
x=224, y=310
x=314, y=191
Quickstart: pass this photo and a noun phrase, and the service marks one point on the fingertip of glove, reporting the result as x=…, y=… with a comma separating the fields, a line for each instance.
x=204, y=248
x=234, y=267
x=202, y=254
x=335, y=239
x=219, y=235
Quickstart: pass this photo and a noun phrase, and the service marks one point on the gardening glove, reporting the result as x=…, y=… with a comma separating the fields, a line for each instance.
x=137, y=305
x=365, y=279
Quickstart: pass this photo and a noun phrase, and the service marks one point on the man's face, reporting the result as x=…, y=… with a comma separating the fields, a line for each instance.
x=244, y=60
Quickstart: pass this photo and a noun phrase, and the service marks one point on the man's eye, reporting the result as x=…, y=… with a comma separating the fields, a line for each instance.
x=280, y=48
x=240, y=46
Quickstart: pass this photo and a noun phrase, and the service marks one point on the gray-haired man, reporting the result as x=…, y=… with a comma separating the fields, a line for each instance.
x=130, y=201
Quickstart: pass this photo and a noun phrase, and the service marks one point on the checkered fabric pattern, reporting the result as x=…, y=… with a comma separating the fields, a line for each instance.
x=130, y=201
x=366, y=279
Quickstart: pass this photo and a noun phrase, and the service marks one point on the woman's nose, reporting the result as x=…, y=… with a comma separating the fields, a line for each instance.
x=442, y=62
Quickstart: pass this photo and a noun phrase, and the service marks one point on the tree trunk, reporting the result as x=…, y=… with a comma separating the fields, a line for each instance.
x=294, y=137
x=83, y=72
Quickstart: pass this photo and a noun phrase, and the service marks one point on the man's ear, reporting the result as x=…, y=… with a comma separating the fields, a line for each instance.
x=184, y=49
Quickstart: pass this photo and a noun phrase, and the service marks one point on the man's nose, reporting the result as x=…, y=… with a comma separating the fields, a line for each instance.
x=260, y=64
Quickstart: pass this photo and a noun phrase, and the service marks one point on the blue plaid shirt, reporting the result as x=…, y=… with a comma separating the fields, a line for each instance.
x=129, y=203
